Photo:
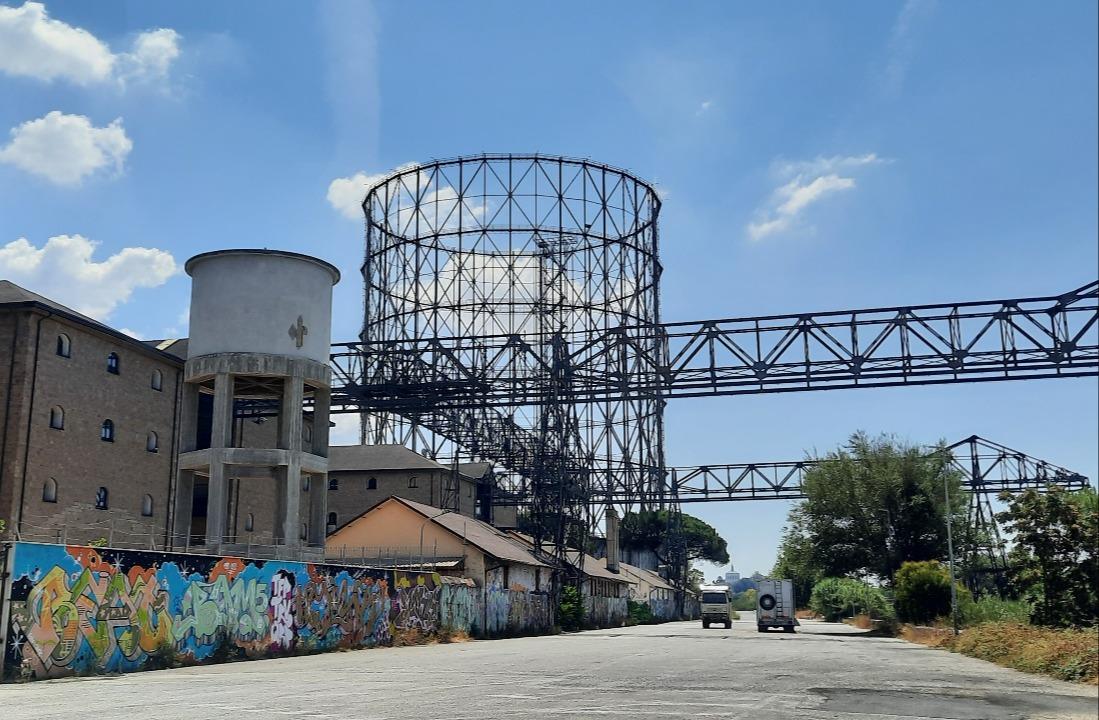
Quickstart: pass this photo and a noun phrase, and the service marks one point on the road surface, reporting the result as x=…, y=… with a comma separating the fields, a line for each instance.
x=678, y=670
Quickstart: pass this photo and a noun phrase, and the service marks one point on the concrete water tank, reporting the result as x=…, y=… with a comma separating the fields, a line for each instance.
x=261, y=301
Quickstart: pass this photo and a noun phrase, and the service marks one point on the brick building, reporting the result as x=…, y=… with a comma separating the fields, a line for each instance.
x=88, y=418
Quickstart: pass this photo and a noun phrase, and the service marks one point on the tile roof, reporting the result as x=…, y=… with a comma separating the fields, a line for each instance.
x=480, y=534
x=378, y=457
x=12, y=294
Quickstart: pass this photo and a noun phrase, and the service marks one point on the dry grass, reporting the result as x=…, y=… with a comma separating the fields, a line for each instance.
x=1064, y=654
x=1071, y=655
x=806, y=614
x=862, y=622
x=925, y=635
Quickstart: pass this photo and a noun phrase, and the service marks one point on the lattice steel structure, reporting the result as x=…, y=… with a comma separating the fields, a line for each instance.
x=546, y=252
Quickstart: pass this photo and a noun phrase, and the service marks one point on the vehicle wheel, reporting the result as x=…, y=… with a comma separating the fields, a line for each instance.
x=728, y=624
x=762, y=628
x=788, y=628
x=705, y=624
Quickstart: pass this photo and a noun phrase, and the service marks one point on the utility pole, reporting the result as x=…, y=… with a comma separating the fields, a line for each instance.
x=950, y=550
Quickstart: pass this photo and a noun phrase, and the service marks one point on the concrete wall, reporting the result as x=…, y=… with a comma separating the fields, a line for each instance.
x=77, y=609
x=605, y=611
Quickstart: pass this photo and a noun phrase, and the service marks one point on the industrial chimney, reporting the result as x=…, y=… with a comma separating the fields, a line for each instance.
x=612, y=540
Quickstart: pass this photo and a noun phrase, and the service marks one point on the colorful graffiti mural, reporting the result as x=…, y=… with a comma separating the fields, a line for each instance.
x=460, y=606
x=79, y=609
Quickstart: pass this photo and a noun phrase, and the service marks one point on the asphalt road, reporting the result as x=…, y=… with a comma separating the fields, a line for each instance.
x=678, y=670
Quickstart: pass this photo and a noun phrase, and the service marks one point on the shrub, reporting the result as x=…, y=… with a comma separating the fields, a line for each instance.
x=570, y=610
x=923, y=591
x=835, y=598
x=745, y=600
x=639, y=613
x=1065, y=654
x=992, y=609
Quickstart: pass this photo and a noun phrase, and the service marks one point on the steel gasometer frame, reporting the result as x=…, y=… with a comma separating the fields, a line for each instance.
x=545, y=251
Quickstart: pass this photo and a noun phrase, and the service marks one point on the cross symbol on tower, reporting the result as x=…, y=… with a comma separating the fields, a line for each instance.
x=298, y=331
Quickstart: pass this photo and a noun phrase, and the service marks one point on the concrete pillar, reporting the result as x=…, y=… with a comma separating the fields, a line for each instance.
x=216, y=503
x=221, y=429
x=318, y=509
x=322, y=402
x=290, y=414
x=184, y=500
x=289, y=479
x=188, y=418
x=221, y=433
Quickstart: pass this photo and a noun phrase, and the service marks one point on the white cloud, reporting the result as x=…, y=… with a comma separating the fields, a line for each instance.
x=704, y=106
x=346, y=194
x=346, y=430
x=438, y=202
x=799, y=196
x=903, y=40
x=804, y=183
x=63, y=270
x=32, y=44
x=66, y=148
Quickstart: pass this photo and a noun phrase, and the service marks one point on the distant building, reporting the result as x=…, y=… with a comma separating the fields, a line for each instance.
x=731, y=578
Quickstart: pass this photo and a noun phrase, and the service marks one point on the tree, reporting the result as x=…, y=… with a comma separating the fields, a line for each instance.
x=871, y=506
x=795, y=558
x=1055, y=560
x=834, y=598
x=648, y=530
x=922, y=591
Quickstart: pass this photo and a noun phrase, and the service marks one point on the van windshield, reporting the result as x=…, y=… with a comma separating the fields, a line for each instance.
x=714, y=597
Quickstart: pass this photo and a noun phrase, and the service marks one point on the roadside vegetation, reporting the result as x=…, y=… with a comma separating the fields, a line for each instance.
x=868, y=546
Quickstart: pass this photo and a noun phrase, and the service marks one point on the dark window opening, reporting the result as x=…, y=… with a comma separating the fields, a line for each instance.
x=372, y=484
x=64, y=345
x=49, y=491
x=101, y=499
x=112, y=363
x=106, y=432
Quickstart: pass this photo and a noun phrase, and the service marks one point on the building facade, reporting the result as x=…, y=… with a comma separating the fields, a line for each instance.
x=88, y=421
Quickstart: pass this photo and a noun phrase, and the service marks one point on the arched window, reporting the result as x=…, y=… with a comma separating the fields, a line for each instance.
x=101, y=499
x=106, y=431
x=157, y=383
x=49, y=491
x=147, y=506
x=57, y=417
x=372, y=484
x=152, y=442
x=332, y=520
x=249, y=522
x=64, y=345
x=412, y=482
x=112, y=363
x=333, y=483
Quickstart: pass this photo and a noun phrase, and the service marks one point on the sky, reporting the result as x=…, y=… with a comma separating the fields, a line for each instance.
x=810, y=156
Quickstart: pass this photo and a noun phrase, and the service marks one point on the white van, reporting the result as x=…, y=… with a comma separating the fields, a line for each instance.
x=775, y=605
x=716, y=605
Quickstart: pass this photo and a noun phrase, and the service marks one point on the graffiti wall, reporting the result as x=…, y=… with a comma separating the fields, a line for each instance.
x=79, y=609
x=516, y=612
x=460, y=606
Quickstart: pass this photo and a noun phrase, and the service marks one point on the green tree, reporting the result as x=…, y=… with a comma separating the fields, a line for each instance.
x=835, y=598
x=795, y=558
x=1055, y=560
x=648, y=530
x=922, y=591
x=871, y=506
x=745, y=600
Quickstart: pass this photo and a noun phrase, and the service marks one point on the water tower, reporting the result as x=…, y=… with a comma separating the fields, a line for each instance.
x=253, y=457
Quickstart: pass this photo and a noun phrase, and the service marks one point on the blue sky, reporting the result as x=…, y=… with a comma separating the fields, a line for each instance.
x=811, y=156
